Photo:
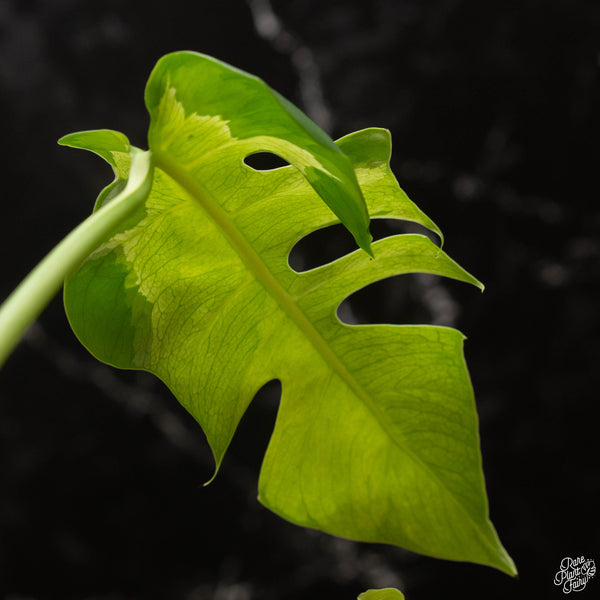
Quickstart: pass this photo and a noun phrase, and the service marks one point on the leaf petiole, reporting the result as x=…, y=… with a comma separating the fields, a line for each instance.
x=28, y=300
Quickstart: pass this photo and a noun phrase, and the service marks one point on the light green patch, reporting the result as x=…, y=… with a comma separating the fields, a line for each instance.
x=196, y=135
x=122, y=163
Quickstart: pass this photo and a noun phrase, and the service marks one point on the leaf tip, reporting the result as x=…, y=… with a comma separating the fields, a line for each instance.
x=218, y=461
x=208, y=482
x=364, y=242
x=502, y=559
x=509, y=566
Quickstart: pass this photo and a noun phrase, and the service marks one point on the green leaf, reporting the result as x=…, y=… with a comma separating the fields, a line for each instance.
x=376, y=436
x=383, y=594
x=203, y=110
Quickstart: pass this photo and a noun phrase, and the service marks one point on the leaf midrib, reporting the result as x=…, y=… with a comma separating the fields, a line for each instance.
x=249, y=256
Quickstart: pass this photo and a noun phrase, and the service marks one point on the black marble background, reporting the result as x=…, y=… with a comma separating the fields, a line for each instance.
x=493, y=108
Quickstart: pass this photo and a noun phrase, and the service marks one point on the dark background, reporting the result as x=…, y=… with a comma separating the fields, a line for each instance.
x=493, y=108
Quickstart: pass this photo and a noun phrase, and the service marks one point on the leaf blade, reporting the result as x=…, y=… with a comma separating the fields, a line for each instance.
x=210, y=305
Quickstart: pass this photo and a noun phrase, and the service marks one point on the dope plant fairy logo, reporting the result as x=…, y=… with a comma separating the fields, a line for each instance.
x=574, y=573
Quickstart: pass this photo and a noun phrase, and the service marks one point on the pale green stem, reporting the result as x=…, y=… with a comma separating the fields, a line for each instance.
x=28, y=300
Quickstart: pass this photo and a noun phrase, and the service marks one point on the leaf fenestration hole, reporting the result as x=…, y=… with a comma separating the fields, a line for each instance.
x=265, y=161
x=255, y=429
x=325, y=245
x=409, y=299
x=395, y=300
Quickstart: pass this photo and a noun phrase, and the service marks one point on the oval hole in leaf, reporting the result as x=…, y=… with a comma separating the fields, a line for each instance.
x=325, y=245
x=265, y=161
x=395, y=300
x=409, y=299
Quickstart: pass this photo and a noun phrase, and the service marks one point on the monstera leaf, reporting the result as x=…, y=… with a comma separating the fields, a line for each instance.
x=376, y=435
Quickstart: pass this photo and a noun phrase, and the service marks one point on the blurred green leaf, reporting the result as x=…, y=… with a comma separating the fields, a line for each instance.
x=383, y=594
